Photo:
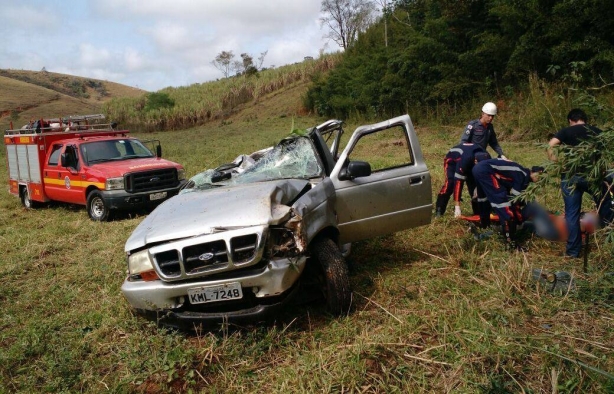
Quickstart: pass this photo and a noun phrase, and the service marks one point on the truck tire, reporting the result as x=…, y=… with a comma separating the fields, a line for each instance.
x=335, y=278
x=97, y=208
x=26, y=200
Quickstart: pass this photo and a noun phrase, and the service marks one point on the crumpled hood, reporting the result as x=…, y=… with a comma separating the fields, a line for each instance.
x=212, y=210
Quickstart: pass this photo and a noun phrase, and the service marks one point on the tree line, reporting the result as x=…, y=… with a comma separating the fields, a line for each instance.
x=439, y=52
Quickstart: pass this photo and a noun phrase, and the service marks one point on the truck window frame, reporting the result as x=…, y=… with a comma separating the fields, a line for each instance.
x=54, y=156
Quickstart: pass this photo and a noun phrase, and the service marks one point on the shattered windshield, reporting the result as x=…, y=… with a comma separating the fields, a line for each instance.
x=291, y=158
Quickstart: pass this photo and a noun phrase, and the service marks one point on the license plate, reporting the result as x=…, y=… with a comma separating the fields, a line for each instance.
x=157, y=196
x=227, y=292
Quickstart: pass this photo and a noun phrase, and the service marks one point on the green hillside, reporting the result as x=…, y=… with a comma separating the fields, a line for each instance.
x=28, y=95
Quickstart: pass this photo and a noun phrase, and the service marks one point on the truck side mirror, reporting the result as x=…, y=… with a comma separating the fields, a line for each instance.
x=355, y=169
x=158, y=150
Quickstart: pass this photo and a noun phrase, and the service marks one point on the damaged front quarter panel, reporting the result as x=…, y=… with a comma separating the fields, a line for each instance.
x=311, y=212
x=314, y=210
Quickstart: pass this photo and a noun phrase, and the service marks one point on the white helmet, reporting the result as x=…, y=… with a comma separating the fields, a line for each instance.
x=489, y=109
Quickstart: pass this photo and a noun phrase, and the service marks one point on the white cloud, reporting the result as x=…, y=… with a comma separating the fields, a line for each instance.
x=16, y=16
x=91, y=56
x=134, y=60
x=155, y=43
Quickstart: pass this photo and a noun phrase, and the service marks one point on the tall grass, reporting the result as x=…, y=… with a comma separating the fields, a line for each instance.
x=199, y=103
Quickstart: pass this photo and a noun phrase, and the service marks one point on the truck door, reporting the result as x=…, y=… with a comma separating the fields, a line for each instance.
x=63, y=183
x=396, y=195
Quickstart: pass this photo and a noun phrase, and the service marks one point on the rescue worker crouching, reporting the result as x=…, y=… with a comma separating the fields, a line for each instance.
x=457, y=165
x=498, y=182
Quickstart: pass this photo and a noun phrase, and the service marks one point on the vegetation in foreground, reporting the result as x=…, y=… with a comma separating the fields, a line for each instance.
x=434, y=311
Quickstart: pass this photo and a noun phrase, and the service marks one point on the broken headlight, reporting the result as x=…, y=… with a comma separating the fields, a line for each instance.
x=281, y=243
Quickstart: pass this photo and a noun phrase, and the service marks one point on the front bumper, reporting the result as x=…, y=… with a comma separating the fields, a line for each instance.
x=122, y=200
x=187, y=320
x=264, y=292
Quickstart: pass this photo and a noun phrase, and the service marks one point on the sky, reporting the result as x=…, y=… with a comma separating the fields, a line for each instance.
x=153, y=44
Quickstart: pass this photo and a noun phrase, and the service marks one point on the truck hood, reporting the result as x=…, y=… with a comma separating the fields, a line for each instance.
x=214, y=210
x=119, y=168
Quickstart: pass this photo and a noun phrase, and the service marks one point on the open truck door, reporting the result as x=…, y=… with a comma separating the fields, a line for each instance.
x=395, y=194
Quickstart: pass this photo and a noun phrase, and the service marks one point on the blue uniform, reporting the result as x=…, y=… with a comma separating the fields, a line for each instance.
x=483, y=136
x=498, y=181
x=457, y=165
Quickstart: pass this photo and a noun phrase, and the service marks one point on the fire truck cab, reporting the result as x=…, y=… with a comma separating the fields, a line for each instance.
x=76, y=161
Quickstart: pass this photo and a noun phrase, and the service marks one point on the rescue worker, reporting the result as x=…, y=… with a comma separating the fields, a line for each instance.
x=498, y=182
x=574, y=185
x=457, y=165
x=481, y=131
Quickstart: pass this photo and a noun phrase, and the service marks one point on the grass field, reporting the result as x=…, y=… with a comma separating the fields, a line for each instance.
x=434, y=310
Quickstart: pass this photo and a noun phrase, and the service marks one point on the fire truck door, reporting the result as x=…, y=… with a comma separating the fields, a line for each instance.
x=62, y=175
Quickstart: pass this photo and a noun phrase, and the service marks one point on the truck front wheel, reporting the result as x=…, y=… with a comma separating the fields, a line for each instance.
x=97, y=208
x=335, y=277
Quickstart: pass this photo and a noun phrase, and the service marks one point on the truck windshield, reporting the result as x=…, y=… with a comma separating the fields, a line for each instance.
x=111, y=150
x=291, y=158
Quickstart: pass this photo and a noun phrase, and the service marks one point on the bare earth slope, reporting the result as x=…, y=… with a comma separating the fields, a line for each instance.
x=28, y=95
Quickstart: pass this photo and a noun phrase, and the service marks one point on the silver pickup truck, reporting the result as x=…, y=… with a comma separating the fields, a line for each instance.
x=247, y=238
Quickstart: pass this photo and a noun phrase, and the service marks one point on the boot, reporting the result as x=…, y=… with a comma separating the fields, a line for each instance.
x=508, y=230
x=475, y=206
x=440, y=205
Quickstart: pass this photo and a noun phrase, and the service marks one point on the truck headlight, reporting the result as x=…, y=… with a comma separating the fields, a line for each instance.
x=114, y=184
x=140, y=266
x=181, y=174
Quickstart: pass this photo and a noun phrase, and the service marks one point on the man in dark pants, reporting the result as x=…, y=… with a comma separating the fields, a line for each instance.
x=498, y=182
x=574, y=185
x=457, y=165
x=481, y=131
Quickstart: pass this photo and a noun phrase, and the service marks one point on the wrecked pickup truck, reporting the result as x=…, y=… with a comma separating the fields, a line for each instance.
x=246, y=238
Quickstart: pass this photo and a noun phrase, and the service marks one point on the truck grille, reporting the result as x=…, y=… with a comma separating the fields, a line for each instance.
x=208, y=257
x=151, y=180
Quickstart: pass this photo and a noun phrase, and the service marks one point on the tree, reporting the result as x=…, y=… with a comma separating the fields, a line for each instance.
x=223, y=62
x=345, y=19
x=247, y=66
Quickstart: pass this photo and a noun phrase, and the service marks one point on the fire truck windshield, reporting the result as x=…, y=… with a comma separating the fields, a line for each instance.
x=111, y=150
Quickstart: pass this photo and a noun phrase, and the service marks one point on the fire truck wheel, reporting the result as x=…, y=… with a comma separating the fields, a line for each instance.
x=97, y=209
x=26, y=200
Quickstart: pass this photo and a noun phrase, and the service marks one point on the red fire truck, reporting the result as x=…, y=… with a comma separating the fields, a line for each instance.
x=80, y=160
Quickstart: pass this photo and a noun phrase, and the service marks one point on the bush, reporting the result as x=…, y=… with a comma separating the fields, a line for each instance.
x=157, y=101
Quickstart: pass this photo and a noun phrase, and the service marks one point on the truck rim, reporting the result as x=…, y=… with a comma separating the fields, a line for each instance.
x=26, y=199
x=97, y=207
